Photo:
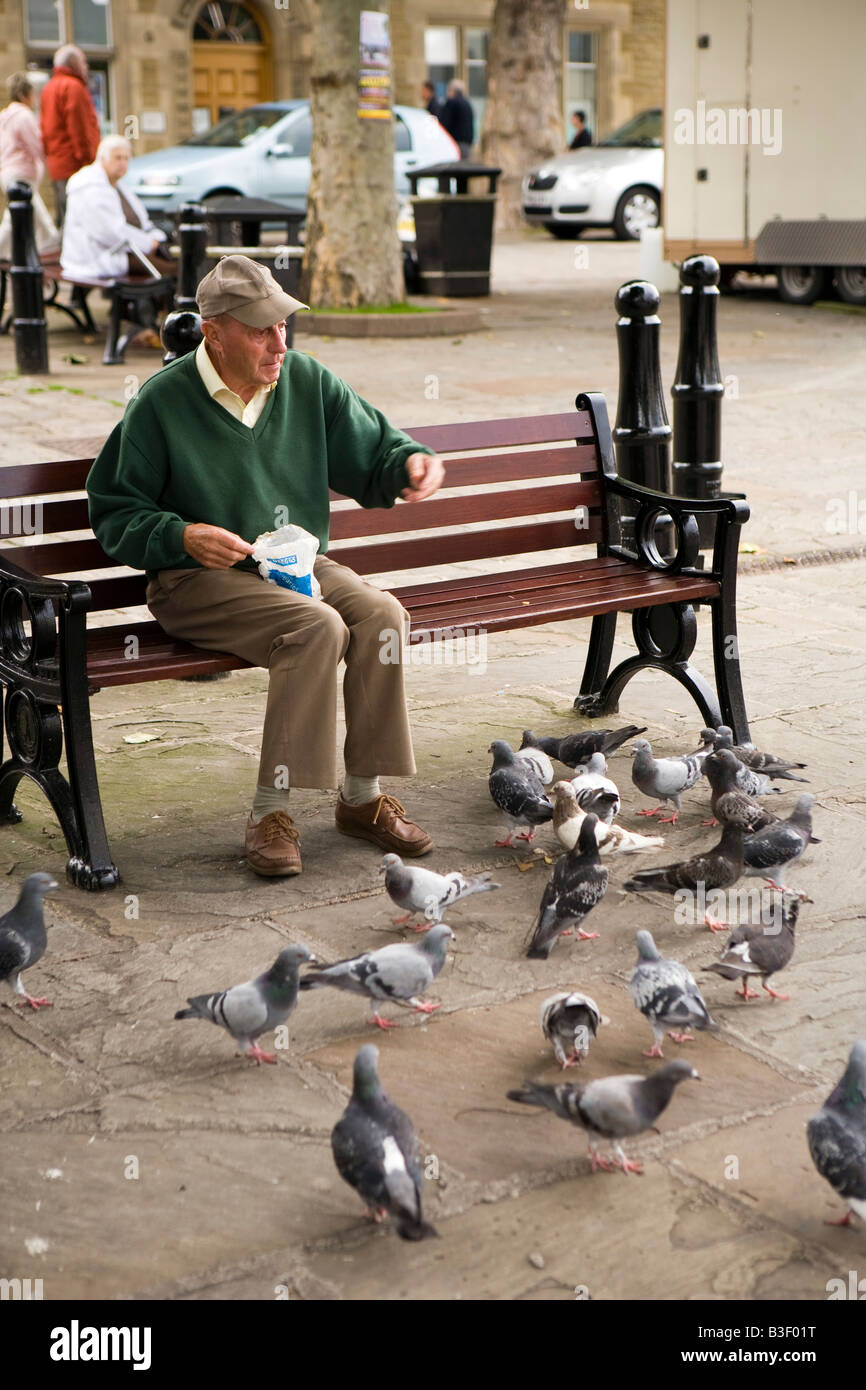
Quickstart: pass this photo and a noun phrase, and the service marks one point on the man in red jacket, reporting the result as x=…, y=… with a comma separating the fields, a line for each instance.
x=70, y=130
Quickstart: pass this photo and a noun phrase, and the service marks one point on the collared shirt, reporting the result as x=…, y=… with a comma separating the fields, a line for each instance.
x=223, y=395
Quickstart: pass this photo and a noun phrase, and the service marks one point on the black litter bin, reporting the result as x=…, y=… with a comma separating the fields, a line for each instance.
x=454, y=229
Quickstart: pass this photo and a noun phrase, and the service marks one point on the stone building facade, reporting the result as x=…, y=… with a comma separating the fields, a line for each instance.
x=165, y=68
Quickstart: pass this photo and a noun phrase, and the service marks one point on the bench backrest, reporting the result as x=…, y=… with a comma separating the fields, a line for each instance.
x=540, y=472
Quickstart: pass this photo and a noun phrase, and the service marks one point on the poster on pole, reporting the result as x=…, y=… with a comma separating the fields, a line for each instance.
x=374, y=73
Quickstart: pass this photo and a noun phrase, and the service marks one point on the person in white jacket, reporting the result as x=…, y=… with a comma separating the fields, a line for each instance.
x=22, y=161
x=104, y=222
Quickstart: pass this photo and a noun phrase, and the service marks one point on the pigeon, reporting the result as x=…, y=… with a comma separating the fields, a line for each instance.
x=574, y=749
x=748, y=754
x=570, y=1022
x=716, y=868
x=591, y=779
x=613, y=1107
x=248, y=1010
x=22, y=937
x=728, y=802
x=397, y=973
x=421, y=890
x=568, y=818
x=376, y=1152
x=664, y=779
x=538, y=760
x=759, y=950
x=837, y=1137
x=665, y=993
x=750, y=781
x=517, y=792
x=578, y=882
x=770, y=849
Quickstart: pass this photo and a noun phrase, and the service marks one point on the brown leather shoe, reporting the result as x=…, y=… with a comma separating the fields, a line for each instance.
x=272, y=846
x=383, y=822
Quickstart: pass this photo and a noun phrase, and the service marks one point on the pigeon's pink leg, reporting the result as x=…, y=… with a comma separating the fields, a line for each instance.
x=681, y=1037
x=425, y=926
x=584, y=935
x=668, y=820
x=628, y=1166
x=401, y=921
x=425, y=1008
x=745, y=992
x=654, y=1051
x=383, y=1023
x=567, y=932
x=772, y=993
x=573, y=1061
x=378, y=1215
x=603, y=1163
x=656, y=812
x=714, y=924
x=254, y=1052
x=711, y=821
x=503, y=844
x=839, y=1220
x=526, y=835
x=34, y=1003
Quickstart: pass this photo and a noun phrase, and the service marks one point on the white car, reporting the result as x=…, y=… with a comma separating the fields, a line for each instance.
x=615, y=184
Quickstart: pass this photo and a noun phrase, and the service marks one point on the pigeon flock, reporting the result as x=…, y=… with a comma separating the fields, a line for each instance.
x=374, y=1145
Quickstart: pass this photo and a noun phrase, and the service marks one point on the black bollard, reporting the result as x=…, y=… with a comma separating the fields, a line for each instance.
x=641, y=434
x=698, y=389
x=28, y=311
x=181, y=331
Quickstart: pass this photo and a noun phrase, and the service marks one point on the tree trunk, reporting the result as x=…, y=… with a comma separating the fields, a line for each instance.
x=353, y=254
x=522, y=119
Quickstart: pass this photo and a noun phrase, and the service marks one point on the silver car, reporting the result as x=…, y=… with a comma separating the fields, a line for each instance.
x=264, y=152
x=615, y=184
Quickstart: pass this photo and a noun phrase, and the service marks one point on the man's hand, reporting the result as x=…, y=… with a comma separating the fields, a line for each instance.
x=213, y=547
x=426, y=474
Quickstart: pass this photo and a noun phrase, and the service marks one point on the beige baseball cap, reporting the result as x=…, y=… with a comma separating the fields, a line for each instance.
x=246, y=290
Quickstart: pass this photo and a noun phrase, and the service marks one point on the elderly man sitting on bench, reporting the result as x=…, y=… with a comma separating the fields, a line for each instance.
x=212, y=451
x=106, y=225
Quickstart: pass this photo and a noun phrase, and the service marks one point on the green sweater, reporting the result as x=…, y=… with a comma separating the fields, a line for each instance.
x=178, y=457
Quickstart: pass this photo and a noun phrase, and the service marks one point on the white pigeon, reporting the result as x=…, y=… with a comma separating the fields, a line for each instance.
x=568, y=817
x=592, y=778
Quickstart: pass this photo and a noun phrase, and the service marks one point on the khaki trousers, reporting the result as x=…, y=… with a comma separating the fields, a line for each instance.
x=301, y=641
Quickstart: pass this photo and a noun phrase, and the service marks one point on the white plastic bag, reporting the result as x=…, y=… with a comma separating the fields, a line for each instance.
x=286, y=558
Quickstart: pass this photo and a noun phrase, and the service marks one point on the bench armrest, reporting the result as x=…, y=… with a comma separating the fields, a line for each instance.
x=73, y=594
x=734, y=509
x=730, y=514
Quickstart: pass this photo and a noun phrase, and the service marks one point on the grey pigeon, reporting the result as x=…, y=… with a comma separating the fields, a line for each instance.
x=570, y=1022
x=666, y=994
x=395, y=974
x=730, y=805
x=716, y=868
x=517, y=792
x=766, y=763
x=759, y=951
x=538, y=760
x=664, y=779
x=749, y=780
x=592, y=779
x=22, y=937
x=779, y=844
x=578, y=882
x=376, y=1152
x=574, y=749
x=837, y=1137
x=612, y=1108
x=255, y=1007
x=420, y=890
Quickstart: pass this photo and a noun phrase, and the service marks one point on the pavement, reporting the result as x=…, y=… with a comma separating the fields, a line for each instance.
x=141, y=1158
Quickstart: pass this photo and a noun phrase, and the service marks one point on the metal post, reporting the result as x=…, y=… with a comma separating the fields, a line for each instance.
x=641, y=434
x=28, y=311
x=181, y=331
x=698, y=389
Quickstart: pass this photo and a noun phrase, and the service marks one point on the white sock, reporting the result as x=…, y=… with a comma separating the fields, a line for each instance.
x=359, y=790
x=269, y=799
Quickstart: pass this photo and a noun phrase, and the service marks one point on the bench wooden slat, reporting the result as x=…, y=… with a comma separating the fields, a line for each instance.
x=454, y=511
x=499, y=434
x=32, y=479
x=505, y=468
x=477, y=545
x=471, y=584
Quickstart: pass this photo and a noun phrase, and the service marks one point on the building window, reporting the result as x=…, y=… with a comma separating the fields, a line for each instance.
x=227, y=22
x=453, y=51
x=581, y=56
x=50, y=23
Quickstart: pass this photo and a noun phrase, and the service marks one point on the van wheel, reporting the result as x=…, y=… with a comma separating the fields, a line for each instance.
x=851, y=283
x=802, y=284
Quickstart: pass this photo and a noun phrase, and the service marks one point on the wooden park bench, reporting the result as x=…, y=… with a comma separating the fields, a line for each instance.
x=568, y=497
x=134, y=301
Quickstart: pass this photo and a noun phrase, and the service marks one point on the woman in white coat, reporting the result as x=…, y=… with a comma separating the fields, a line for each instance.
x=103, y=222
x=22, y=161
